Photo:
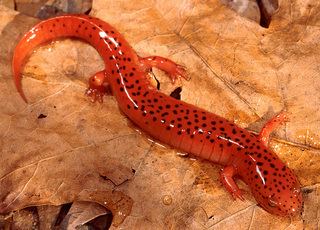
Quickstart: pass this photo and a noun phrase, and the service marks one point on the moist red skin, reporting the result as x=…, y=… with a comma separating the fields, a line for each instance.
x=179, y=124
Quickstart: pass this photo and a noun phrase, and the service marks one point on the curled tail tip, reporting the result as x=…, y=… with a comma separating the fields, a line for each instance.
x=24, y=98
x=19, y=89
x=22, y=95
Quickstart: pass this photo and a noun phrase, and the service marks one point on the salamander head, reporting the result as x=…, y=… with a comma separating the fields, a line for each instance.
x=288, y=202
x=274, y=185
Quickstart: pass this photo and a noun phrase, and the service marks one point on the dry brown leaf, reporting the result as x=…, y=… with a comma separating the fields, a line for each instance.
x=77, y=150
x=81, y=213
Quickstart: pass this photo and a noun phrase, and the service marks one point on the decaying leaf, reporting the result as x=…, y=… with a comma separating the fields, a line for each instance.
x=61, y=148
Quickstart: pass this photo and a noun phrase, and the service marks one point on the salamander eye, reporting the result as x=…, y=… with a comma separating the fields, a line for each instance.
x=295, y=190
x=272, y=202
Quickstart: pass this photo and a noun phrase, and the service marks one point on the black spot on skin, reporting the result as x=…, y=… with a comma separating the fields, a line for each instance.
x=222, y=129
x=145, y=94
x=265, y=172
x=154, y=118
x=259, y=163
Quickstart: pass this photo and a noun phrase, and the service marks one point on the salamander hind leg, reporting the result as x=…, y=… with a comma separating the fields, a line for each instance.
x=174, y=70
x=271, y=125
x=226, y=177
x=98, y=87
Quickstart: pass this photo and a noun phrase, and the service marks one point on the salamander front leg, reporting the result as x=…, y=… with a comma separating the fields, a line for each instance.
x=98, y=87
x=271, y=125
x=226, y=177
x=174, y=70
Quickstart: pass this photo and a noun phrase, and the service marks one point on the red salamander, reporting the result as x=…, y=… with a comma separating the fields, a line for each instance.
x=174, y=122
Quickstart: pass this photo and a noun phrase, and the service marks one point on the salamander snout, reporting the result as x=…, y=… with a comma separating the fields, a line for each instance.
x=286, y=203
